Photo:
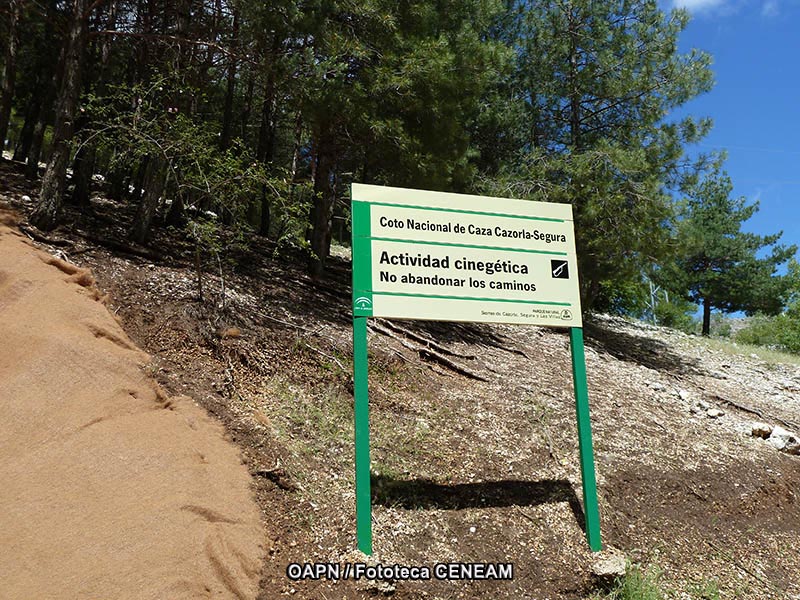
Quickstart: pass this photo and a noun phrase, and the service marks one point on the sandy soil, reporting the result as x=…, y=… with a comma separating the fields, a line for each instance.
x=110, y=489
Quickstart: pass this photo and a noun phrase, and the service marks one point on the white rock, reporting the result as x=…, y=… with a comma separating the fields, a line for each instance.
x=762, y=430
x=703, y=404
x=753, y=355
x=685, y=395
x=472, y=530
x=657, y=386
x=714, y=413
x=26, y=198
x=609, y=564
x=782, y=439
x=776, y=442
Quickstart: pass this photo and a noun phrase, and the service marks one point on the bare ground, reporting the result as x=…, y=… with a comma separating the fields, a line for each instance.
x=463, y=469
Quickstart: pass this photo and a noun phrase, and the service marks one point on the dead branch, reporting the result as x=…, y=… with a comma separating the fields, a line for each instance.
x=326, y=355
x=34, y=234
x=515, y=351
x=287, y=323
x=738, y=564
x=427, y=342
x=429, y=354
x=122, y=247
x=755, y=411
x=279, y=477
x=548, y=439
x=527, y=516
x=170, y=39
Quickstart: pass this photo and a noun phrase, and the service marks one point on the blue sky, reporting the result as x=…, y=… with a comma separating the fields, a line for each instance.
x=755, y=103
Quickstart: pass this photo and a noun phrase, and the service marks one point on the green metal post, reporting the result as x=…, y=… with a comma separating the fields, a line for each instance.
x=361, y=393
x=590, y=507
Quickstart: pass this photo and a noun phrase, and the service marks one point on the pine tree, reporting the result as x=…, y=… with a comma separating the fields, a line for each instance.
x=718, y=265
x=596, y=82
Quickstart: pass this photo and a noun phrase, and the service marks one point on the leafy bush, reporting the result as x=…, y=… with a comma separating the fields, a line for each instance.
x=720, y=325
x=781, y=332
x=677, y=314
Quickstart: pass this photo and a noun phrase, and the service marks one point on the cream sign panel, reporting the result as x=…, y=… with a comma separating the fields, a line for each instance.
x=429, y=255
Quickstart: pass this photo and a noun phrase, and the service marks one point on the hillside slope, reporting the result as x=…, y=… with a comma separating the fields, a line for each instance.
x=478, y=465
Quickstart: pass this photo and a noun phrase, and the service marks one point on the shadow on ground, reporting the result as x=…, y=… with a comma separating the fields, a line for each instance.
x=650, y=353
x=420, y=494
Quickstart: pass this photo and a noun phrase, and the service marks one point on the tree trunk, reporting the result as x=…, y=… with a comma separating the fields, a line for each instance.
x=266, y=133
x=45, y=215
x=82, y=171
x=37, y=141
x=265, y=150
x=9, y=71
x=706, y=317
x=117, y=179
x=265, y=221
x=23, y=146
x=85, y=162
x=37, y=138
x=247, y=108
x=322, y=209
x=175, y=214
x=227, y=113
x=155, y=181
x=138, y=181
x=48, y=81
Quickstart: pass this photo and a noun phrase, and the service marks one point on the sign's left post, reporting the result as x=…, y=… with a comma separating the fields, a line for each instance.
x=362, y=308
x=361, y=394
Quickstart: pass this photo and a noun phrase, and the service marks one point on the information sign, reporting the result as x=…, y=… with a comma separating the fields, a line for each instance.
x=437, y=256
x=454, y=257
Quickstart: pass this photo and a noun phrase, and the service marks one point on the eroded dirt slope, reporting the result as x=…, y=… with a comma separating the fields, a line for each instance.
x=110, y=489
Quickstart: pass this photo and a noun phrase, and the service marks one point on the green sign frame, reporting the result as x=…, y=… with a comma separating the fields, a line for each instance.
x=521, y=259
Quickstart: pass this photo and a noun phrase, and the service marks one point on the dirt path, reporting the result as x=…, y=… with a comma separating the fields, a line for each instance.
x=109, y=488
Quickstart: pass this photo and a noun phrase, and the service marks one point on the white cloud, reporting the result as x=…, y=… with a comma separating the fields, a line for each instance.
x=713, y=8
x=700, y=5
x=770, y=8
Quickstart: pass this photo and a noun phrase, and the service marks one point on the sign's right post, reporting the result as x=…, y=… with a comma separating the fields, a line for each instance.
x=590, y=507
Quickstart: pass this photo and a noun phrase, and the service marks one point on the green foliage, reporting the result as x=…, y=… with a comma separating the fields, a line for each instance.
x=592, y=91
x=284, y=103
x=637, y=584
x=676, y=313
x=717, y=263
x=145, y=121
x=707, y=590
x=720, y=325
x=781, y=332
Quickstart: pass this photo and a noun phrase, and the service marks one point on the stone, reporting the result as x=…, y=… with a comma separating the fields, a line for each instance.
x=783, y=440
x=684, y=395
x=26, y=198
x=761, y=430
x=714, y=413
x=793, y=447
x=609, y=565
x=658, y=387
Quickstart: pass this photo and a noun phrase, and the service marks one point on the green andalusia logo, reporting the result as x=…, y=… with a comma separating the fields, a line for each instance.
x=363, y=304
